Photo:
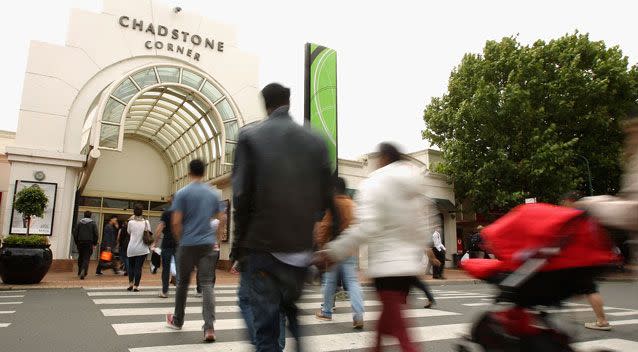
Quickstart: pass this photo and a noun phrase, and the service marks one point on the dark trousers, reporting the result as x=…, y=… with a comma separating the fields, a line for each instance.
x=274, y=289
x=423, y=287
x=167, y=255
x=135, y=269
x=437, y=271
x=204, y=258
x=85, y=250
x=100, y=263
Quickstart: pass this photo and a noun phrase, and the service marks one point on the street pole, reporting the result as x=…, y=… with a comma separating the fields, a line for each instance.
x=591, y=189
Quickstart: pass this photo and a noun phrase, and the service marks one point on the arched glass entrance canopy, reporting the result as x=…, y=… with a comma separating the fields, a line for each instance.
x=183, y=113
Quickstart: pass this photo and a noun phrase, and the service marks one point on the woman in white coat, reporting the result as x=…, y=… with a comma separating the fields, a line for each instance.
x=395, y=219
x=137, y=250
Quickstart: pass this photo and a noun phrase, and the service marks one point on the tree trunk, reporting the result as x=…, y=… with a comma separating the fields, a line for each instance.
x=28, y=225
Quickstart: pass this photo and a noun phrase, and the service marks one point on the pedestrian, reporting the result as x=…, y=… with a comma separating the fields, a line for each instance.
x=164, y=233
x=122, y=240
x=397, y=233
x=137, y=250
x=589, y=287
x=476, y=243
x=439, y=253
x=421, y=285
x=193, y=208
x=281, y=182
x=85, y=237
x=109, y=240
x=345, y=206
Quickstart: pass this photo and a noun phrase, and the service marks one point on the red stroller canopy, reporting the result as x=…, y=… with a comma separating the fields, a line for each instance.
x=529, y=227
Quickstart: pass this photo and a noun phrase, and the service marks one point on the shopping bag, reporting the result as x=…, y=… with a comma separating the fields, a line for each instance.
x=106, y=256
x=173, y=268
x=465, y=256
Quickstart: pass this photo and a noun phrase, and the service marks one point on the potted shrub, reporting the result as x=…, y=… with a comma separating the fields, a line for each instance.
x=26, y=259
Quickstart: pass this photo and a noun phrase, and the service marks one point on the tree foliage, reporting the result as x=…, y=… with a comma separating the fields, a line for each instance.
x=517, y=120
x=31, y=201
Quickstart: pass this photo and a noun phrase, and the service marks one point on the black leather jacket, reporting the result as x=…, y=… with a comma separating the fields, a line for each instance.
x=282, y=183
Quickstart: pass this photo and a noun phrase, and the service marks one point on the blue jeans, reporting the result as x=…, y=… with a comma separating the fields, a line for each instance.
x=247, y=313
x=351, y=281
x=167, y=255
x=274, y=288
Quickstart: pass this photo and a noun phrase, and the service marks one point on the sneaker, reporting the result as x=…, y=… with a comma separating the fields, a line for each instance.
x=170, y=322
x=597, y=326
x=209, y=335
x=130, y=288
x=430, y=304
x=319, y=315
x=162, y=295
x=98, y=274
x=357, y=324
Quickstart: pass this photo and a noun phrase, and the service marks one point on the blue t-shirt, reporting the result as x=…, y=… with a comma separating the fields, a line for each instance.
x=198, y=203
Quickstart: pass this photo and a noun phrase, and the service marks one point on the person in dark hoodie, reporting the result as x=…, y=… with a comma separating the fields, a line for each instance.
x=85, y=237
x=109, y=239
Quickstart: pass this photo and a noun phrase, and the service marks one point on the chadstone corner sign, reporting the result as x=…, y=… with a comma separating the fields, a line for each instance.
x=174, y=34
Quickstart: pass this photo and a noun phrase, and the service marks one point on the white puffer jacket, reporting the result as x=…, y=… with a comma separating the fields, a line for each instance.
x=394, y=218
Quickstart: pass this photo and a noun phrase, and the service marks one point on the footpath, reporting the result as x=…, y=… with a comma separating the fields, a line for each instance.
x=453, y=276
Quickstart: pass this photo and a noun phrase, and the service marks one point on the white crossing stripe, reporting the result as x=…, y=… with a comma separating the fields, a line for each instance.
x=7, y=303
x=624, y=322
x=4, y=325
x=12, y=291
x=7, y=311
x=623, y=314
x=123, y=287
x=122, y=312
x=149, y=293
x=164, y=300
x=616, y=345
x=325, y=343
x=14, y=296
x=455, y=297
x=477, y=304
x=231, y=324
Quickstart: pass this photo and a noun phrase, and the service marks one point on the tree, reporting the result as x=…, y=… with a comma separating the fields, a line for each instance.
x=517, y=120
x=31, y=201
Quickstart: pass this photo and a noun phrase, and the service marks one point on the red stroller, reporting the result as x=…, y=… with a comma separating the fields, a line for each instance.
x=545, y=254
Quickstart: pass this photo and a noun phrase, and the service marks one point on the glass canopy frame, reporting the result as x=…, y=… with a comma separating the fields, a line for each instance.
x=184, y=113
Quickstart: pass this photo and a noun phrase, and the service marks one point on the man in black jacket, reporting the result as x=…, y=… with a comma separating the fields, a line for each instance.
x=281, y=182
x=109, y=239
x=85, y=237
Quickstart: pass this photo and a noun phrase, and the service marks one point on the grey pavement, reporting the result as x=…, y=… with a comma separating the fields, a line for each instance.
x=80, y=319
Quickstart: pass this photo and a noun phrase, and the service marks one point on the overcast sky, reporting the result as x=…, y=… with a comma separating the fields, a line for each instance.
x=393, y=56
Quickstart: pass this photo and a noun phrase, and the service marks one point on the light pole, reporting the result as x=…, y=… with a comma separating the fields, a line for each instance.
x=591, y=189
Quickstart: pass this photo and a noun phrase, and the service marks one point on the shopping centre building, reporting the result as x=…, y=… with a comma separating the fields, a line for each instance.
x=112, y=118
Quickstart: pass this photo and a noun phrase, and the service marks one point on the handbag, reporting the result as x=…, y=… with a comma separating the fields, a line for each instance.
x=147, y=237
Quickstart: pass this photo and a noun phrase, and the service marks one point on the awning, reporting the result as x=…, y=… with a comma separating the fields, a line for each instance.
x=444, y=205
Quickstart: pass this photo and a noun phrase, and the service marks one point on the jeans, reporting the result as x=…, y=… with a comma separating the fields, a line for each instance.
x=135, y=269
x=124, y=259
x=274, y=287
x=423, y=287
x=204, y=258
x=247, y=313
x=167, y=255
x=351, y=281
x=85, y=249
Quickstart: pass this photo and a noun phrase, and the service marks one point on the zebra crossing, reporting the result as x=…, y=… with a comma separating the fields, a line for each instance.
x=9, y=301
x=138, y=317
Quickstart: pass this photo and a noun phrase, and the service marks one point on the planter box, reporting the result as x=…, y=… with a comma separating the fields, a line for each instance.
x=24, y=265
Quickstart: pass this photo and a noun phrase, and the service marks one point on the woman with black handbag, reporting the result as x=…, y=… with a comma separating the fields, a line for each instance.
x=140, y=239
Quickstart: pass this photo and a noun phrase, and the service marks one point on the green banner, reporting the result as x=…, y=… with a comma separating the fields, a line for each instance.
x=321, y=96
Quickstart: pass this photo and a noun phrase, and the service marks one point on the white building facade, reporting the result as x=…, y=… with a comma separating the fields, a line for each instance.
x=113, y=117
